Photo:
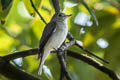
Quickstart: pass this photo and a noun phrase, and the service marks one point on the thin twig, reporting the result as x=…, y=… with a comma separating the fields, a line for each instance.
x=89, y=52
x=70, y=37
x=37, y=12
x=91, y=12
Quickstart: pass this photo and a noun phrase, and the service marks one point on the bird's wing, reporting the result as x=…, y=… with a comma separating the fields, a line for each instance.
x=48, y=30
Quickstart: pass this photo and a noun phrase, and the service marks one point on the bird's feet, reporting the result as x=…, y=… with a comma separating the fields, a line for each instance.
x=58, y=49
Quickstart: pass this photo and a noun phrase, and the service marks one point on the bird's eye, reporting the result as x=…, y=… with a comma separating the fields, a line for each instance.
x=60, y=15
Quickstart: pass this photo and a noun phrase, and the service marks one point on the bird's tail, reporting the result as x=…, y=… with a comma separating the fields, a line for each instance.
x=43, y=58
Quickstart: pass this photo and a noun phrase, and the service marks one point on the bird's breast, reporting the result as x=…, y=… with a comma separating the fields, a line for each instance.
x=59, y=35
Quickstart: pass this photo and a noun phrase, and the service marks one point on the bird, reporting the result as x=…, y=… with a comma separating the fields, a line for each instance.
x=54, y=34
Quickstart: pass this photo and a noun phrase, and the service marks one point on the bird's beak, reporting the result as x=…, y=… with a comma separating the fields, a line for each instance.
x=67, y=16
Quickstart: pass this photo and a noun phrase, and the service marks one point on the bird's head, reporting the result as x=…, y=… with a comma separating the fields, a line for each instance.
x=60, y=17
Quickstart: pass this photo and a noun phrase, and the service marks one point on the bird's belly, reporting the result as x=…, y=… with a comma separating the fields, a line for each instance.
x=58, y=38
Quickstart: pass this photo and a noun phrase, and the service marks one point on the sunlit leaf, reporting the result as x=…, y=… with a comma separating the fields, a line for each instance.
x=31, y=63
x=22, y=10
x=116, y=25
x=111, y=9
x=88, y=39
x=8, y=41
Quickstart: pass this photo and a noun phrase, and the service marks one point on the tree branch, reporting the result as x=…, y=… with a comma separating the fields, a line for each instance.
x=91, y=12
x=56, y=6
x=63, y=64
x=75, y=55
x=20, y=54
x=37, y=12
x=12, y=72
x=77, y=44
x=70, y=37
x=33, y=52
x=94, y=63
x=86, y=59
x=62, y=74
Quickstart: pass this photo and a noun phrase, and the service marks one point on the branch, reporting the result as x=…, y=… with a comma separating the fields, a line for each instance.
x=77, y=44
x=93, y=63
x=20, y=54
x=35, y=51
x=91, y=12
x=63, y=64
x=70, y=37
x=13, y=73
x=63, y=47
x=56, y=6
x=37, y=12
x=62, y=74
x=75, y=55
x=32, y=52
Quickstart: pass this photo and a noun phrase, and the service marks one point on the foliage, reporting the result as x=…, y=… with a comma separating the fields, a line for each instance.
x=22, y=31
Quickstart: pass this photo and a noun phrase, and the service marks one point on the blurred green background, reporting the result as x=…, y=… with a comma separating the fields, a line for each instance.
x=21, y=29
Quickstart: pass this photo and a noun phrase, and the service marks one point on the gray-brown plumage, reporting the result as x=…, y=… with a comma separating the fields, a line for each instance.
x=53, y=36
